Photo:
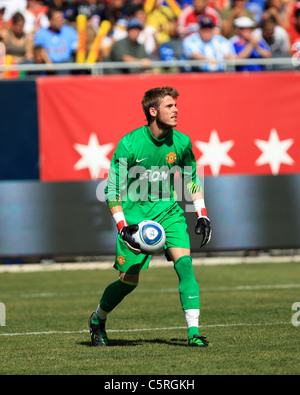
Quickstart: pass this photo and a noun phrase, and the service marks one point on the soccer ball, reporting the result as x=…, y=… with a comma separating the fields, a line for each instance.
x=150, y=236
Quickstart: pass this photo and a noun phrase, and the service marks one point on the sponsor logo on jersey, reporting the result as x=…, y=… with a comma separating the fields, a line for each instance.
x=171, y=157
x=155, y=175
x=121, y=260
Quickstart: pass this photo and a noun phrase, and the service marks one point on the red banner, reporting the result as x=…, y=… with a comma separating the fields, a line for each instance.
x=238, y=123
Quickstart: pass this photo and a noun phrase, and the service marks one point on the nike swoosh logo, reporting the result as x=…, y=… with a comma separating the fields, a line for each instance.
x=193, y=297
x=140, y=160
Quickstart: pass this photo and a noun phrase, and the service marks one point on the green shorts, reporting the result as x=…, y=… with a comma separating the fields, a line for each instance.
x=175, y=227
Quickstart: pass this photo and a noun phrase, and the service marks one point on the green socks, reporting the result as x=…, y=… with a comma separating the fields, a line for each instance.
x=189, y=293
x=188, y=287
x=114, y=294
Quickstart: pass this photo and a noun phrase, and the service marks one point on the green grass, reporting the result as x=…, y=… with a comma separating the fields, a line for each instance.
x=245, y=314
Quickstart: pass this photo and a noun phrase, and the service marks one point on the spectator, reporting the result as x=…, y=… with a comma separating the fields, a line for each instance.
x=207, y=45
x=35, y=16
x=119, y=31
x=2, y=54
x=256, y=7
x=92, y=9
x=89, y=8
x=115, y=11
x=188, y=21
x=294, y=34
x=11, y=7
x=68, y=7
x=17, y=43
x=3, y=24
x=129, y=50
x=247, y=46
x=228, y=17
x=59, y=40
x=291, y=7
x=220, y=5
x=163, y=20
x=116, y=14
x=147, y=35
x=278, y=10
x=275, y=36
x=40, y=56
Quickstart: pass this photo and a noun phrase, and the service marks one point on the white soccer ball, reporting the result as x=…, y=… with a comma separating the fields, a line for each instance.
x=150, y=236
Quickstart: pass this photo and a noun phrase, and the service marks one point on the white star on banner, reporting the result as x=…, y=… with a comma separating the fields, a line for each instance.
x=93, y=156
x=215, y=153
x=274, y=152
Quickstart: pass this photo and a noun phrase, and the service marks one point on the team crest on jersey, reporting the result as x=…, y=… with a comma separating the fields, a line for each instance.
x=171, y=157
x=121, y=259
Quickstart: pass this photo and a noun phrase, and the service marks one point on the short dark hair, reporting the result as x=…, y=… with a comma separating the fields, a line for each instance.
x=153, y=97
x=52, y=11
x=17, y=17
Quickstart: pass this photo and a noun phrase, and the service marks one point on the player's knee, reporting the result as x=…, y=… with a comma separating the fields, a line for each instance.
x=184, y=269
x=128, y=278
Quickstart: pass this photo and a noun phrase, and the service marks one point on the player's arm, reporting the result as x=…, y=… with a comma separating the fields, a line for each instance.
x=124, y=229
x=117, y=178
x=203, y=226
x=194, y=187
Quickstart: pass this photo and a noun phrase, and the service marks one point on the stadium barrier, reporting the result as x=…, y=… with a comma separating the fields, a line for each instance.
x=99, y=68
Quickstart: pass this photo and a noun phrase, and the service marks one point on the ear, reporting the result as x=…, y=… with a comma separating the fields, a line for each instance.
x=153, y=112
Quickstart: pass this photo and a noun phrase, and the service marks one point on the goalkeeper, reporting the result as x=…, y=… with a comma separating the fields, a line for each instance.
x=140, y=186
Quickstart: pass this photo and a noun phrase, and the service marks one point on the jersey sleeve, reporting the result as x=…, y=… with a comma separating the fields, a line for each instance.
x=117, y=176
x=189, y=170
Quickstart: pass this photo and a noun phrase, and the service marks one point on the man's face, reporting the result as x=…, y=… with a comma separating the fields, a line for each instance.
x=245, y=33
x=167, y=113
x=268, y=31
x=199, y=5
x=133, y=34
x=57, y=21
x=239, y=4
x=18, y=27
x=206, y=33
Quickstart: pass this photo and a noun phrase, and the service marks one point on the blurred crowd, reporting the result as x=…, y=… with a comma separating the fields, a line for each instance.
x=64, y=31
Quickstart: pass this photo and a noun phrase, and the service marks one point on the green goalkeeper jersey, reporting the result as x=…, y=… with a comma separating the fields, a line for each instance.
x=141, y=176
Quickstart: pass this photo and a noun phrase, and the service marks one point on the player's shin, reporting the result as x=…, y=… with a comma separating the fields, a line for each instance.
x=189, y=293
x=113, y=295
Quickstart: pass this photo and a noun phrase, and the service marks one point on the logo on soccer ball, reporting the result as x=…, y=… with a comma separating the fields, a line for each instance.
x=121, y=259
x=171, y=157
x=152, y=233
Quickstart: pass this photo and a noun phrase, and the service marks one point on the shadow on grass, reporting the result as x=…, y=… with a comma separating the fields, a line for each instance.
x=139, y=342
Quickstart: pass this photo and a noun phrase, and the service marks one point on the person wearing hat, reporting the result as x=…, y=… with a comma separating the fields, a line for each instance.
x=188, y=20
x=229, y=15
x=207, y=45
x=129, y=49
x=247, y=45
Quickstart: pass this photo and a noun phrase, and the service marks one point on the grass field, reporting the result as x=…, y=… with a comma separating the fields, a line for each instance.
x=246, y=313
